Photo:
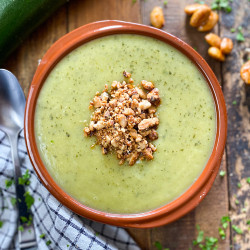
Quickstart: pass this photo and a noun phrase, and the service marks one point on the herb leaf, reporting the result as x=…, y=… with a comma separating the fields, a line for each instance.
x=42, y=236
x=8, y=183
x=221, y=5
x=20, y=228
x=24, y=180
x=48, y=242
x=29, y=200
x=240, y=37
x=222, y=173
x=237, y=229
x=158, y=245
x=248, y=180
x=13, y=201
x=222, y=233
x=1, y=224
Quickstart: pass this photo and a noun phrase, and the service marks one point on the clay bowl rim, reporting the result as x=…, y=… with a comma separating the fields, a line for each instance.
x=169, y=212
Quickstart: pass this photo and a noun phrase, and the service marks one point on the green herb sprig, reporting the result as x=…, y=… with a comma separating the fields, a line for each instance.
x=222, y=5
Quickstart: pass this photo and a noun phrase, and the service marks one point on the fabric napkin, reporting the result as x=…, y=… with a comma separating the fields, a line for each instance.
x=62, y=228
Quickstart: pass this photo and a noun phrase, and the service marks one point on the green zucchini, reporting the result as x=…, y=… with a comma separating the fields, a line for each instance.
x=18, y=18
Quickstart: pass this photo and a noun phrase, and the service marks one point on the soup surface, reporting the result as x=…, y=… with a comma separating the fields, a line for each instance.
x=186, y=131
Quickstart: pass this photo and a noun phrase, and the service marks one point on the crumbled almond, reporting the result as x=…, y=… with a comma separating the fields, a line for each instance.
x=147, y=123
x=147, y=85
x=153, y=97
x=124, y=120
x=144, y=104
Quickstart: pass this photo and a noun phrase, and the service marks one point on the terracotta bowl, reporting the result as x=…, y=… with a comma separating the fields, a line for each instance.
x=160, y=216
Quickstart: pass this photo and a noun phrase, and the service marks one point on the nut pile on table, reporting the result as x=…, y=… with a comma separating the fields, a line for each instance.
x=125, y=121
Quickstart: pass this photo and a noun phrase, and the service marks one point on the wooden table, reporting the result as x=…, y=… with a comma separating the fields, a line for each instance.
x=224, y=194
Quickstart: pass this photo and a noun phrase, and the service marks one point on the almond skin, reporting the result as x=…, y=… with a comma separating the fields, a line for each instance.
x=157, y=17
x=226, y=45
x=216, y=54
x=245, y=72
x=200, y=16
x=213, y=40
x=190, y=9
x=211, y=22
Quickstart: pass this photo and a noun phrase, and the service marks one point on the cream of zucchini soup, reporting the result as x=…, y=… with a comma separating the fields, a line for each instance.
x=125, y=123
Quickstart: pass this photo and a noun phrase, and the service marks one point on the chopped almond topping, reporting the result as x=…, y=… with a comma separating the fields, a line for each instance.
x=124, y=120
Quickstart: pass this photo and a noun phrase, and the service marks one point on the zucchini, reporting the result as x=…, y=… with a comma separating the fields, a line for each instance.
x=18, y=18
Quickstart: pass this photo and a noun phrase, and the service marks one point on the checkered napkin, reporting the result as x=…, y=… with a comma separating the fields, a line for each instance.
x=62, y=228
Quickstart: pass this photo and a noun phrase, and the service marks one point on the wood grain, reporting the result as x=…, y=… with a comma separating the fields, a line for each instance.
x=238, y=143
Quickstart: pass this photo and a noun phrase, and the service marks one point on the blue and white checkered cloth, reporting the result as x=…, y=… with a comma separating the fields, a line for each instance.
x=63, y=228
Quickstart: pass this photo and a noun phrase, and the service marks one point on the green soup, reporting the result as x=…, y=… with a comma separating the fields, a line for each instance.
x=186, y=131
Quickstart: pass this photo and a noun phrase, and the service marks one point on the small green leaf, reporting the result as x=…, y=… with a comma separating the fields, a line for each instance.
x=248, y=222
x=240, y=37
x=23, y=219
x=237, y=229
x=234, y=102
x=8, y=183
x=24, y=180
x=239, y=185
x=1, y=224
x=48, y=242
x=29, y=200
x=42, y=236
x=232, y=30
x=237, y=202
x=158, y=245
x=13, y=201
x=248, y=180
x=222, y=173
x=222, y=233
x=20, y=228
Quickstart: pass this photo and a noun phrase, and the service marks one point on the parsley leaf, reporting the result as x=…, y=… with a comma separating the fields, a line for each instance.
x=200, y=236
x=222, y=233
x=248, y=222
x=248, y=180
x=222, y=173
x=24, y=180
x=29, y=200
x=158, y=245
x=232, y=30
x=48, y=242
x=239, y=185
x=42, y=236
x=221, y=5
x=240, y=37
x=237, y=229
x=224, y=221
x=8, y=183
x=13, y=201
x=1, y=224
x=234, y=102
x=20, y=228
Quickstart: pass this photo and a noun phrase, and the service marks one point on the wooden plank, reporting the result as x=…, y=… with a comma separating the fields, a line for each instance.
x=238, y=144
x=82, y=12
x=179, y=235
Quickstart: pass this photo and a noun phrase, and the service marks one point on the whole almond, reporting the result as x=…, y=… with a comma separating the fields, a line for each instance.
x=190, y=9
x=245, y=72
x=226, y=45
x=200, y=16
x=216, y=54
x=157, y=17
x=211, y=22
x=213, y=40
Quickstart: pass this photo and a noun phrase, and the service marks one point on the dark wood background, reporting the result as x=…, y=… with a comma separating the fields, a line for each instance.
x=221, y=200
